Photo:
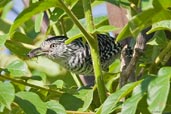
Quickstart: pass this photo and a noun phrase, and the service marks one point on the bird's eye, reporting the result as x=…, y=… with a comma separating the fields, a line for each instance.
x=53, y=45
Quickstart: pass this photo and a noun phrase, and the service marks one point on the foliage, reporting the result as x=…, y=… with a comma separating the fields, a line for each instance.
x=40, y=86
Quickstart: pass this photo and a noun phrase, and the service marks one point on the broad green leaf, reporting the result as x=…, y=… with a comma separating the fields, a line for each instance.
x=5, y=26
x=111, y=102
x=40, y=75
x=17, y=68
x=105, y=28
x=79, y=101
x=30, y=103
x=17, y=48
x=55, y=108
x=158, y=91
x=3, y=3
x=168, y=105
x=3, y=39
x=124, y=3
x=159, y=39
x=142, y=21
x=162, y=25
x=34, y=8
x=165, y=4
x=59, y=84
x=7, y=95
x=38, y=22
x=131, y=104
x=19, y=37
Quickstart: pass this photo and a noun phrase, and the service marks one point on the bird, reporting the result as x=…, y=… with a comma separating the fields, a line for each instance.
x=76, y=56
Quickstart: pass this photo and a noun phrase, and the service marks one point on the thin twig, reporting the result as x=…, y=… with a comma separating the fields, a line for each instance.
x=28, y=84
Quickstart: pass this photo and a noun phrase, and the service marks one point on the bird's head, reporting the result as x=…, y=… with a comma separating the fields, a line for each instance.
x=54, y=48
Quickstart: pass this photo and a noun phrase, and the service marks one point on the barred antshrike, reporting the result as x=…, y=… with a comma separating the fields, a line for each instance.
x=76, y=56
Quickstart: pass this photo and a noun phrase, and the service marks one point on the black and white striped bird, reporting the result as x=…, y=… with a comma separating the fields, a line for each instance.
x=75, y=56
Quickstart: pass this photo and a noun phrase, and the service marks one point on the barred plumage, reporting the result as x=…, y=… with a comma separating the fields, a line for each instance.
x=76, y=55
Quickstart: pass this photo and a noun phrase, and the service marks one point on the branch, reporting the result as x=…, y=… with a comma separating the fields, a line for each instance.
x=131, y=66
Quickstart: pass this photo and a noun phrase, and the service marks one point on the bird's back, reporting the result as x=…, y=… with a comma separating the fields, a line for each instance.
x=81, y=62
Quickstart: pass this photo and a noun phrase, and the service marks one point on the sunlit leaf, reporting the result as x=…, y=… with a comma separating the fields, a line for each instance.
x=106, y=28
x=159, y=39
x=111, y=102
x=3, y=39
x=38, y=22
x=158, y=91
x=162, y=25
x=30, y=103
x=17, y=68
x=7, y=95
x=54, y=106
x=31, y=11
x=130, y=106
x=142, y=21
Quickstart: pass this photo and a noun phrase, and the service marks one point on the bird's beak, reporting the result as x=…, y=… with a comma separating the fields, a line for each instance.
x=37, y=52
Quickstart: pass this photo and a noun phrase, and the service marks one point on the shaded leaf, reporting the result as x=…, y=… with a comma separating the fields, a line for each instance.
x=55, y=108
x=30, y=103
x=17, y=48
x=20, y=37
x=5, y=26
x=7, y=95
x=79, y=101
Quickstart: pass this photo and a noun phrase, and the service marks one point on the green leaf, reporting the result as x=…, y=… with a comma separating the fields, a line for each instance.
x=5, y=26
x=17, y=48
x=3, y=39
x=111, y=102
x=38, y=22
x=142, y=21
x=162, y=25
x=118, y=2
x=55, y=108
x=165, y=4
x=158, y=91
x=105, y=28
x=59, y=84
x=159, y=39
x=18, y=36
x=30, y=103
x=79, y=101
x=3, y=3
x=17, y=68
x=34, y=8
x=7, y=95
x=130, y=105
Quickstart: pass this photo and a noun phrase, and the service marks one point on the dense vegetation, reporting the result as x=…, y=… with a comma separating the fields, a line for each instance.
x=40, y=86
